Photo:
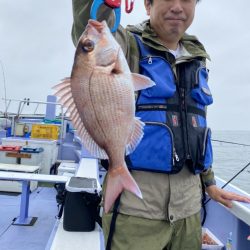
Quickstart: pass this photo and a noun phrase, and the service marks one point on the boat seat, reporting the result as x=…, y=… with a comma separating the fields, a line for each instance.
x=18, y=168
x=16, y=186
x=13, y=175
x=26, y=174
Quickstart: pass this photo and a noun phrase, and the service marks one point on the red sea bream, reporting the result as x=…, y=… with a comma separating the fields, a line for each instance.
x=100, y=97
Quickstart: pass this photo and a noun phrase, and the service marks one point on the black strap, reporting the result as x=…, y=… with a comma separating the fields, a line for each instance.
x=149, y=106
x=197, y=111
x=59, y=216
x=98, y=219
x=203, y=202
x=169, y=107
x=155, y=106
x=112, y=224
x=60, y=197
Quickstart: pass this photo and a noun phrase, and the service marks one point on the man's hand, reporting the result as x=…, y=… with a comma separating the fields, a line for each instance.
x=224, y=196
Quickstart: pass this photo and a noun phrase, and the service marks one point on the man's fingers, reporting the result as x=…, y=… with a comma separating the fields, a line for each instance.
x=235, y=197
x=225, y=197
x=225, y=202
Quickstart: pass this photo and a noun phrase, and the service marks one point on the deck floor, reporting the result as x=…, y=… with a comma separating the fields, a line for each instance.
x=42, y=205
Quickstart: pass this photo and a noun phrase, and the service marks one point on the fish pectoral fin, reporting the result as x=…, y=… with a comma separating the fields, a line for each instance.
x=119, y=179
x=136, y=136
x=141, y=82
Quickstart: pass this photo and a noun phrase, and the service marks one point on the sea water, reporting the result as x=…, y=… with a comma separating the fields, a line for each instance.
x=230, y=158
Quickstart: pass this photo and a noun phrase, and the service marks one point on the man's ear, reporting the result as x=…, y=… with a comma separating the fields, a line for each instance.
x=147, y=6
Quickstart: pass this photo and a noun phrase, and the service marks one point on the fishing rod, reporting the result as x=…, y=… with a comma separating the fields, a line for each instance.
x=4, y=83
x=229, y=142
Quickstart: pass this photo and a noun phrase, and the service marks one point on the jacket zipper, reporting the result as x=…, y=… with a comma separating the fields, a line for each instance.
x=183, y=104
x=182, y=100
x=150, y=60
x=205, y=142
x=183, y=110
x=175, y=156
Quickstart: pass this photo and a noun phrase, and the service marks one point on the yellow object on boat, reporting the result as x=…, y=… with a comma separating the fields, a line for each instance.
x=45, y=131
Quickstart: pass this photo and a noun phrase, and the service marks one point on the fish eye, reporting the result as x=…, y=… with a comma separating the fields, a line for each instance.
x=88, y=45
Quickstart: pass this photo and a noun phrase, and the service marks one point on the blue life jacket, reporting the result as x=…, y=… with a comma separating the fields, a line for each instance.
x=174, y=112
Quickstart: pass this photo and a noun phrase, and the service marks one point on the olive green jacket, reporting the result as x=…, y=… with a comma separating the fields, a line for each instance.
x=161, y=192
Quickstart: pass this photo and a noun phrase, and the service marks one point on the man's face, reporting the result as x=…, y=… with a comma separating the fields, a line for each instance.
x=170, y=18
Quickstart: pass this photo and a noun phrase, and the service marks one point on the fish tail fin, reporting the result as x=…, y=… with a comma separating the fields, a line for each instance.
x=119, y=179
x=135, y=136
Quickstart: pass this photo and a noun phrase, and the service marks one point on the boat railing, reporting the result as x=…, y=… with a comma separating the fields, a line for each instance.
x=16, y=116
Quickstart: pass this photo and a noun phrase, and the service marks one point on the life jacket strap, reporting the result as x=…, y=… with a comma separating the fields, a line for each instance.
x=169, y=107
x=112, y=224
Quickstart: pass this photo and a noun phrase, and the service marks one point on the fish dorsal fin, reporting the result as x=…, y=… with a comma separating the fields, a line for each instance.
x=63, y=91
x=136, y=136
x=63, y=84
x=141, y=82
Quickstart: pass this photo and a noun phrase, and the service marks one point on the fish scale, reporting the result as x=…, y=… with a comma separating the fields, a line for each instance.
x=106, y=112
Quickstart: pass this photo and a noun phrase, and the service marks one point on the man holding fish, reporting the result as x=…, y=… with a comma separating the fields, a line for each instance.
x=165, y=136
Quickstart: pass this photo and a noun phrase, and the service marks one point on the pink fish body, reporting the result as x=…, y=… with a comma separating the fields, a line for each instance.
x=100, y=97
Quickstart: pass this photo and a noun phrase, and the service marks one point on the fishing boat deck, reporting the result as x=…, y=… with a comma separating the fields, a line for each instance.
x=42, y=205
x=47, y=229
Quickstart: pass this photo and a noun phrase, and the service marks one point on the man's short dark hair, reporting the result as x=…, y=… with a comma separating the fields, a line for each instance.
x=151, y=1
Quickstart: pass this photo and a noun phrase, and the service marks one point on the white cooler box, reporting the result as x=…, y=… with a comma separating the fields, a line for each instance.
x=49, y=154
x=35, y=156
x=67, y=167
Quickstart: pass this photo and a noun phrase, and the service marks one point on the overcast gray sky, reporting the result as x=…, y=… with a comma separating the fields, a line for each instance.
x=36, y=52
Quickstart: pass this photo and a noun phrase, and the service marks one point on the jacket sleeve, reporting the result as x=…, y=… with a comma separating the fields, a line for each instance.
x=81, y=15
x=208, y=177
